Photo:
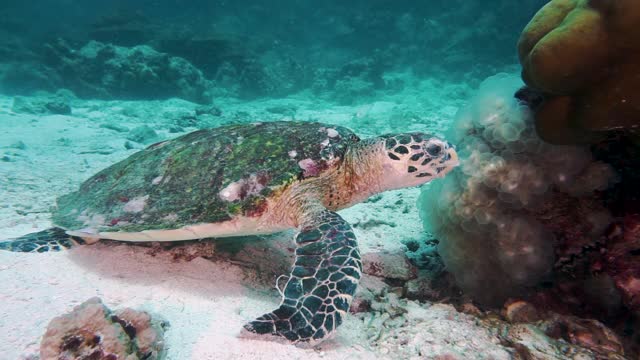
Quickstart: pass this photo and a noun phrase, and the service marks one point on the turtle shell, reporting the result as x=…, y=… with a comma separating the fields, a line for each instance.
x=206, y=176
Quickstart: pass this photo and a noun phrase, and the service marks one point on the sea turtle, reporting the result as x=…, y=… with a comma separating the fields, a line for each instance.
x=253, y=179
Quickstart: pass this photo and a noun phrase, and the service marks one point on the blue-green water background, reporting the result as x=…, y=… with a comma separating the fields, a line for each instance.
x=288, y=46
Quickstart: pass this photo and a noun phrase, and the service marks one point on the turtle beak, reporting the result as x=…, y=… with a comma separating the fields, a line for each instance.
x=452, y=156
x=449, y=160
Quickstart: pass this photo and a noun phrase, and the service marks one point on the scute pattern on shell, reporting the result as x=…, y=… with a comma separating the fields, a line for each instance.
x=178, y=182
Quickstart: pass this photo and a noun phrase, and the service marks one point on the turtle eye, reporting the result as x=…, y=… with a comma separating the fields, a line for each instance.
x=354, y=138
x=434, y=149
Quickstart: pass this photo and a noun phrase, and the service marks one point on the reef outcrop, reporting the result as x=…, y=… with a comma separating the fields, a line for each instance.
x=106, y=71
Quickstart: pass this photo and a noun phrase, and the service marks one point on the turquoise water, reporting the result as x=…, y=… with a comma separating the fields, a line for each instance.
x=496, y=260
x=249, y=49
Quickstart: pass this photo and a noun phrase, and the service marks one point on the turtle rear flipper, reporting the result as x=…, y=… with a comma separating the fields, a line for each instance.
x=321, y=286
x=53, y=239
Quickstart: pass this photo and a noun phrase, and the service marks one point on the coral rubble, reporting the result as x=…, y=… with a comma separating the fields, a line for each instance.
x=92, y=331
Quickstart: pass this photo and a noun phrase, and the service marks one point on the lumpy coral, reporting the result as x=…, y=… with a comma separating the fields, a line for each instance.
x=585, y=55
x=493, y=215
x=92, y=331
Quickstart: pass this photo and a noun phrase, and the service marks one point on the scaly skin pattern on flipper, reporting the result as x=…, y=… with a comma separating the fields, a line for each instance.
x=54, y=239
x=181, y=182
x=321, y=286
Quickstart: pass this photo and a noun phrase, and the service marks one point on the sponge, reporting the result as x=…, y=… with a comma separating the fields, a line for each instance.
x=487, y=212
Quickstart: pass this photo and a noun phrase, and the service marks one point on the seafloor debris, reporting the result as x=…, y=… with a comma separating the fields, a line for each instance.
x=41, y=106
x=143, y=134
x=92, y=331
x=388, y=265
x=403, y=328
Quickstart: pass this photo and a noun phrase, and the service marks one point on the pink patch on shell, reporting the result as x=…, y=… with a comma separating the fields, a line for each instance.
x=309, y=167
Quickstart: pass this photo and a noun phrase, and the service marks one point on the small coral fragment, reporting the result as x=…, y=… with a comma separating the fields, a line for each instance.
x=92, y=331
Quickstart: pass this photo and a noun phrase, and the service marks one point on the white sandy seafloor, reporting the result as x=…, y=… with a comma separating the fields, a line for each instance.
x=206, y=302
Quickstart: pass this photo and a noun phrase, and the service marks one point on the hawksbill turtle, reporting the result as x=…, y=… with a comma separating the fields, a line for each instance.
x=253, y=179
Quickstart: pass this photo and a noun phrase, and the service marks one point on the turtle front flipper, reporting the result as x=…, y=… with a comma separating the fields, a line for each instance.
x=324, y=278
x=54, y=239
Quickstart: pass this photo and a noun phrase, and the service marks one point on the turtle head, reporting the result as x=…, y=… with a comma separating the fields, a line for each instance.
x=412, y=159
